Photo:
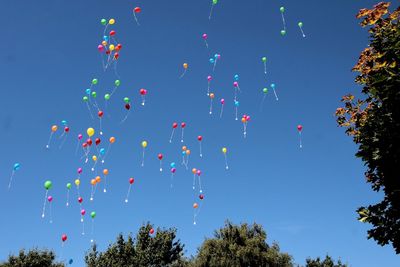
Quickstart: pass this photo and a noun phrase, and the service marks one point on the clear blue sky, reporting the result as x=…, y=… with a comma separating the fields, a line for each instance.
x=305, y=198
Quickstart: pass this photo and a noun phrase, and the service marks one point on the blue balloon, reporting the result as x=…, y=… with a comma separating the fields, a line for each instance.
x=212, y=60
x=236, y=103
x=102, y=151
x=216, y=56
x=70, y=261
x=172, y=165
x=183, y=153
x=236, y=77
x=88, y=91
x=272, y=85
x=64, y=122
x=16, y=166
x=105, y=37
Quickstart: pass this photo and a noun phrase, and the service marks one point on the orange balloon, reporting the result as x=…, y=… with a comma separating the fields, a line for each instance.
x=184, y=148
x=93, y=182
x=187, y=152
x=243, y=120
x=98, y=179
x=112, y=140
x=54, y=128
x=185, y=65
x=195, y=205
x=105, y=171
x=212, y=96
x=194, y=170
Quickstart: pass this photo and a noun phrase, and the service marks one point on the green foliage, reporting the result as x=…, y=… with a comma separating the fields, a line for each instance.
x=145, y=250
x=327, y=262
x=240, y=245
x=32, y=258
x=374, y=122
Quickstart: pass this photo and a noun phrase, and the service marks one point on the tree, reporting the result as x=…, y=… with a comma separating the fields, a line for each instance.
x=32, y=258
x=240, y=245
x=145, y=250
x=374, y=122
x=327, y=262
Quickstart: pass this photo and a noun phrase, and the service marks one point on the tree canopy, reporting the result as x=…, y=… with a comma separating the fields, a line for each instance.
x=32, y=258
x=374, y=121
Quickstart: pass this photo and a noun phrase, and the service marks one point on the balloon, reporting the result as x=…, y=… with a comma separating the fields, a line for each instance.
x=236, y=77
x=265, y=90
x=184, y=148
x=48, y=185
x=49, y=198
x=185, y=65
x=70, y=261
x=174, y=125
x=131, y=180
x=137, y=10
x=100, y=48
x=112, y=140
x=79, y=170
x=215, y=2
x=151, y=231
x=173, y=170
x=212, y=60
x=172, y=165
x=94, y=157
x=105, y=171
x=282, y=9
x=64, y=237
x=187, y=152
x=111, y=47
x=77, y=182
x=69, y=185
x=300, y=24
x=16, y=167
x=83, y=212
x=183, y=125
x=89, y=141
x=144, y=144
x=143, y=91
x=100, y=113
x=201, y=196
x=97, y=141
x=235, y=84
x=94, y=81
x=93, y=182
x=283, y=32
x=195, y=205
x=54, y=128
x=198, y=172
x=80, y=136
x=117, y=82
x=102, y=151
x=80, y=199
x=103, y=21
x=111, y=21
x=299, y=128
x=264, y=59
x=90, y=132
x=236, y=103
x=126, y=100
x=212, y=95
x=98, y=179
x=160, y=156
x=107, y=96
x=112, y=33
x=93, y=214
x=85, y=99
x=200, y=138
x=224, y=150
x=205, y=36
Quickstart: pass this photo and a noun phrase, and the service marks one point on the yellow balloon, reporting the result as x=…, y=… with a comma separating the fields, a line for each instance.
x=111, y=21
x=224, y=150
x=111, y=47
x=77, y=182
x=94, y=158
x=144, y=144
x=185, y=65
x=90, y=132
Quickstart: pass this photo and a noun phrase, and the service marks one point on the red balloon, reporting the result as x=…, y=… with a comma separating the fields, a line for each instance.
x=183, y=125
x=84, y=144
x=137, y=9
x=112, y=33
x=200, y=138
x=128, y=106
x=89, y=142
x=116, y=55
x=143, y=91
x=174, y=125
x=201, y=196
x=131, y=180
x=299, y=128
x=66, y=129
x=97, y=141
x=64, y=237
x=151, y=231
x=100, y=113
x=80, y=199
x=160, y=156
x=119, y=46
x=108, y=52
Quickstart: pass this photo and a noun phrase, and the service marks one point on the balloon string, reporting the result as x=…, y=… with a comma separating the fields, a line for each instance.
x=115, y=69
x=205, y=41
x=63, y=141
x=44, y=204
x=172, y=180
x=265, y=68
x=108, y=149
x=301, y=145
x=101, y=127
x=212, y=6
x=48, y=142
x=301, y=29
x=83, y=225
x=236, y=113
x=160, y=165
x=134, y=15
x=284, y=22
x=183, y=131
x=215, y=64
x=200, y=189
x=126, y=117
x=90, y=111
x=172, y=135
x=11, y=178
x=91, y=241
x=208, y=88
x=244, y=129
x=183, y=74
x=129, y=191
x=222, y=110
x=262, y=103
x=211, y=106
x=77, y=146
x=276, y=96
x=239, y=88
x=51, y=213
x=67, y=204
x=235, y=96
x=226, y=162
x=187, y=161
x=105, y=184
x=201, y=154
x=194, y=181
x=91, y=193
x=143, y=157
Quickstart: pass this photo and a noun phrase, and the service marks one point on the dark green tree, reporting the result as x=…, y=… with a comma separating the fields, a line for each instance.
x=327, y=262
x=145, y=250
x=240, y=245
x=374, y=121
x=32, y=258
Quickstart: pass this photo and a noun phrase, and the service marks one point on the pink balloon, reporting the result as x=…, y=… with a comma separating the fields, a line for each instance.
x=222, y=101
x=100, y=48
x=173, y=170
x=247, y=118
x=83, y=212
x=205, y=36
x=79, y=170
x=49, y=198
x=198, y=172
x=299, y=128
x=80, y=136
x=235, y=84
x=219, y=56
x=209, y=78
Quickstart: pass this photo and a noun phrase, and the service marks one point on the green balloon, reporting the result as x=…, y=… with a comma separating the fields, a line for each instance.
x=69, y=185
x=215, y=2
x=107, y=96
x=93, y=214
x=94, y=81
x=48, y=185
x=126, y=100
x=85, y=99
x=265, y=90
x=282, y=9
x=117, y=82
x=283, y=32
x=94, y=94
x=300, y=24
x=103, y=21
x=264, y=59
